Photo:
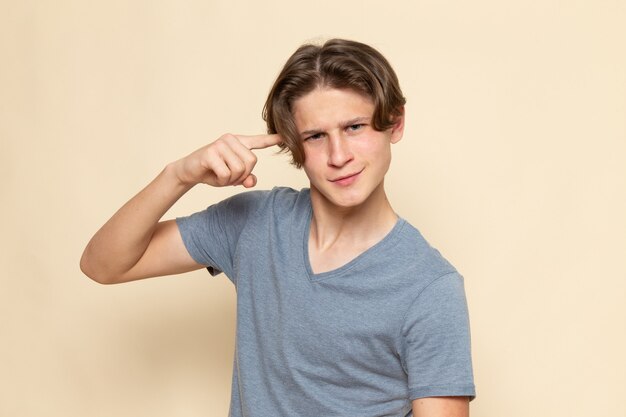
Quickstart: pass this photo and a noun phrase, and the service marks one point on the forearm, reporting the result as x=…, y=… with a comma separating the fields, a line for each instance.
x=134, y=245
x=121, y=242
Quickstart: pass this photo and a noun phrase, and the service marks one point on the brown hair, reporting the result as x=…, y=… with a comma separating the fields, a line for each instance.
x=338, y=63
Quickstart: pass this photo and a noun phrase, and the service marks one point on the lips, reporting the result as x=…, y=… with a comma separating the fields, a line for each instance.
x=346, y=179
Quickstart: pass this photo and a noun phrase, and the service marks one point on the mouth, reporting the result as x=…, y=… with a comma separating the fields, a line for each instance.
x=346, y=179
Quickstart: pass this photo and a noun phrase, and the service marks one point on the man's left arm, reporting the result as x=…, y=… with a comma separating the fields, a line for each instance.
x=436, y=350
x=441, y=407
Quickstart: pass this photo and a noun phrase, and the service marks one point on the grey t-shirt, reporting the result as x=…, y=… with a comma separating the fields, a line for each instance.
x=362, y=340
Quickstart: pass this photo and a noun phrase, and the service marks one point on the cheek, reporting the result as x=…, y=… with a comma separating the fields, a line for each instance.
x=308, y=167
x=381, y=159
x=310, y=170
x=313, y=160
x=376, y=150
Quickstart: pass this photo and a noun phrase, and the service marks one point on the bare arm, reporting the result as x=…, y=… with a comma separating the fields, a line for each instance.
x=441, y=407
x=134, y=244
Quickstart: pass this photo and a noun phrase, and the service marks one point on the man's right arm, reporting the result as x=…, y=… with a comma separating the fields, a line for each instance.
x=134, y=244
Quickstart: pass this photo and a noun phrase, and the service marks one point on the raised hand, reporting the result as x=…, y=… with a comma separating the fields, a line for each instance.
x=229, y=160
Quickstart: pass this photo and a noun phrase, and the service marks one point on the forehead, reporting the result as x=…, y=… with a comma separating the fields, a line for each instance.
x=324, y=108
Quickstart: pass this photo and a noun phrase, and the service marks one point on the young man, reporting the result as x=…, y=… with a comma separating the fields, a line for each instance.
x=343, y=309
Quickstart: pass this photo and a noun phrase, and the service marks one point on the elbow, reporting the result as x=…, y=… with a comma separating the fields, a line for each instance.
x=96, y=274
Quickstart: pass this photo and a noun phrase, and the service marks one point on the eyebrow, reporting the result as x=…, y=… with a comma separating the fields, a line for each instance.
x=356, y=120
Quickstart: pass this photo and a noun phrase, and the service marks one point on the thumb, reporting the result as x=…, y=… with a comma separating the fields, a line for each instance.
x=250, y=181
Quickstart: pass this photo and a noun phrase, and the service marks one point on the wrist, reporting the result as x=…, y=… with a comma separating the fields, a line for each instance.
x=172, y=173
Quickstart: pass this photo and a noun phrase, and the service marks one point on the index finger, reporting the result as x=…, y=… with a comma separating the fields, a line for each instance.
x=259, y=141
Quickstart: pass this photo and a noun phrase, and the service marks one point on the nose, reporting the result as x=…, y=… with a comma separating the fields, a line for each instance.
x=339, y=152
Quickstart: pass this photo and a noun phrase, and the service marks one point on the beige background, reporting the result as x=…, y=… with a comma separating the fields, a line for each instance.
x=513, y=165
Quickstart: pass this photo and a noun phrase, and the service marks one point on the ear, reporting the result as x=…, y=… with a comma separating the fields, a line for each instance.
x=397, y=130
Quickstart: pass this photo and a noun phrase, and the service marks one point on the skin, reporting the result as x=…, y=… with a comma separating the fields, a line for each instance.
x=351, y=212
x=134, y=244
x=346, y=162
x=441, y=407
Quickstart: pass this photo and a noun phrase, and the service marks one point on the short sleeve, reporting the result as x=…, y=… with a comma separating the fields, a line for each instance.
x=435, y=341
x=211, y=235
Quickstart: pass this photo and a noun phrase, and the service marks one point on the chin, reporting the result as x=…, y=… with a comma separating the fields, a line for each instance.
x=345, y=200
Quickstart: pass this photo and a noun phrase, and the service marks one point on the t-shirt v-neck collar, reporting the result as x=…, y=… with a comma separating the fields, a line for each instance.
x=389, y=237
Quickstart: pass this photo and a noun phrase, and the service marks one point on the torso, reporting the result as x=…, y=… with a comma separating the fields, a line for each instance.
x=335, y=237
x=339, y=253
x=323, y=336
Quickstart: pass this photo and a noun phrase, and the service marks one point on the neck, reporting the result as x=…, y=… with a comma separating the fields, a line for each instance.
x=364, y=224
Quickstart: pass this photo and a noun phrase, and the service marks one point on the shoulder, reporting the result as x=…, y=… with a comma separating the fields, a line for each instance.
x=277, y=195
x=279, y=203
x=419, y=256
x=288, y=197
x=250, y=201
x=436, y=287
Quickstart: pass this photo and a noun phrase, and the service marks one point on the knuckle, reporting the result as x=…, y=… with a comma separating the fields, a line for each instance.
x=219, y=145
x=252, y=158
x=221, y=175
x=223, y=180
x=249, y=160
x=227, y=137
x=235, y=172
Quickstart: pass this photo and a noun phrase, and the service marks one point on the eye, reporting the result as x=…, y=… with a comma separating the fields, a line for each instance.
x=314, y=137
x=355, y=127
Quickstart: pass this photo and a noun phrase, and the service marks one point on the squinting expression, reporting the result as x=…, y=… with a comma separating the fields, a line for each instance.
x=345, y=158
